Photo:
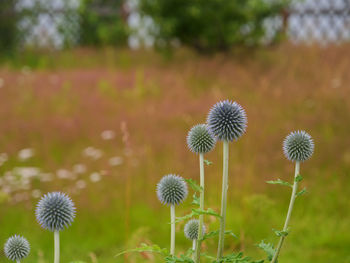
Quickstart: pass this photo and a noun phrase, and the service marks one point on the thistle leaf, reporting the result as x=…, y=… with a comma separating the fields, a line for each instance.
x=268, y=249
x=146, y=248
x=279, y=182
x=196, y=200
x=237, y=258
x=207, y=162
x=298, y=178
x=182, y=258
x=216, y=233
x=197, y=212
x=185, y=217
x=280, y=233
x=194, y=185
x=209, y=211
x=304, y=191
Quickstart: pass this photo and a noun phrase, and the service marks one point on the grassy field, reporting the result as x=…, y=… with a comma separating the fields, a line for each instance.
x=105, y=126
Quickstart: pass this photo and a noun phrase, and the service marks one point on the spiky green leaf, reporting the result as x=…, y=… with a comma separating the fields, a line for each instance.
x=279, y=182
x=146, y=248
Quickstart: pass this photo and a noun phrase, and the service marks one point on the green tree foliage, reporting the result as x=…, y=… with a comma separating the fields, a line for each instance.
x=103, y=22
x=211, y=25
x=8, y=29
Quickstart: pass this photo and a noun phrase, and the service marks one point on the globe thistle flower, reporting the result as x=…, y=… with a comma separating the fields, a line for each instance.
x=298, y=146
x=16, y=248
x=227, y=120
x=55, y=211
x=172, y=190
x=191, y=229
x=200, y=139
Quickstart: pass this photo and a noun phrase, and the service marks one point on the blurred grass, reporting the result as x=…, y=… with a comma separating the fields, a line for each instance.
x=58, y=103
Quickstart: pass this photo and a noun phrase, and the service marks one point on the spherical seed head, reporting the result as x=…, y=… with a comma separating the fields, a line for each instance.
x=172, y=190
x=227, y=120
x=191, y=229
x=55, y=211
x=16, y=248
x=200, y=139
x=298, y=146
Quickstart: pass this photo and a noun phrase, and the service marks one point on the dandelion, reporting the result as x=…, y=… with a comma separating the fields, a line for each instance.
x=172, y=190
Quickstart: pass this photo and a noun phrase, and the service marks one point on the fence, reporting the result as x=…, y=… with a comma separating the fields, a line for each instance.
x=59, y=23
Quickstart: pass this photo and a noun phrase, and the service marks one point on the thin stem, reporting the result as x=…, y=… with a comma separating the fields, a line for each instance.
x=201, y=206
x=290, y=209
x=57, y=246
x=18, y=261
x=172, y=239
x=194, y=244
x=223, y=200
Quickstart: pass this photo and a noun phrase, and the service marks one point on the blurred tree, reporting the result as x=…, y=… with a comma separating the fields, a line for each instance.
x=211, y=25
x=8, y=25
x=103, y=22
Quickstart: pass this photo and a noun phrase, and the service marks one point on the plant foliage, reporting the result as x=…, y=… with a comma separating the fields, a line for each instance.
x=211, y=25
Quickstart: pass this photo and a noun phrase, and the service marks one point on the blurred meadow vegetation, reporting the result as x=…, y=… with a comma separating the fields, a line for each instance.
x=105, y=123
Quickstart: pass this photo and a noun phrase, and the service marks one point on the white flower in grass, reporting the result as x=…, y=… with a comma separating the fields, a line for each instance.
x=65, y=174
x=108, y=135
x=36, y=193
x=93, y=153
x=26, y=172
x=81, y=184
x=46, y=177
x=115, y=161
x=95, y=177
x=3, y=158
x=79, y=168
x=25, y=154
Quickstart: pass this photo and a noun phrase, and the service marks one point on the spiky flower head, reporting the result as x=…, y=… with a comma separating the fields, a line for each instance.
x=200, y=139
x=172, y=190
x=298, y=146
x=16, y=248
x=55, y=211
x=191, y=229
x=227, y=120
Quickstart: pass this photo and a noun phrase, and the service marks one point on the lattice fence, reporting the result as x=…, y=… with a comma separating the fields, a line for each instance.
x=321, y=21
x=57, y=23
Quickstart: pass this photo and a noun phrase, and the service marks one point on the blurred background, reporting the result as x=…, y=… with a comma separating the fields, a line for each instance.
x=97, y=97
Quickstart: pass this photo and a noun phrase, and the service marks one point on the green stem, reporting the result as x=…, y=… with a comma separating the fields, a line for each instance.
x=57, y=246
x=290, y=209
x=172, y=238
x=223, y=200
x=201, y=206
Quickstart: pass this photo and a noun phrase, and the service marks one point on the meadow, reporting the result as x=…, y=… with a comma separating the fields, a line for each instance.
x=105, y=125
